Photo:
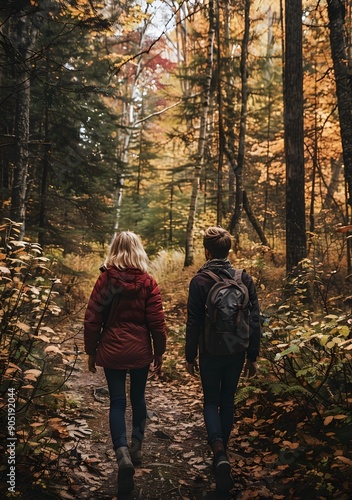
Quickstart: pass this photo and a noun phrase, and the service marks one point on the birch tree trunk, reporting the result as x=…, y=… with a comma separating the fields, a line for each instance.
x=129, y=123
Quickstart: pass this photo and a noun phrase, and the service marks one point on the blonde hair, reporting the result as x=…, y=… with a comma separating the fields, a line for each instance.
x=127, y=250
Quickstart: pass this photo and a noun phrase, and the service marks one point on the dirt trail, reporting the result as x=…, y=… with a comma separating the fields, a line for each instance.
x=176, y=461
x=176, y=458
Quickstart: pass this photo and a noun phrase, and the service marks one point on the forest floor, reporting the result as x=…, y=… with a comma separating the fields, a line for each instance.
x=274, y=452
x=176, y=458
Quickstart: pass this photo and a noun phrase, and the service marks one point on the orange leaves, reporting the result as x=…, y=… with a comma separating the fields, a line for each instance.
x=330, y=418
x=290, y=445
x=344, y=229
x=345, y=460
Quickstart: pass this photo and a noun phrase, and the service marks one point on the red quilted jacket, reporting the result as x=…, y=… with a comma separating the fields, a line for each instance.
x=135, y=327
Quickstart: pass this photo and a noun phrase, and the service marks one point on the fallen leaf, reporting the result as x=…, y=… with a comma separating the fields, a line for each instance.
x=345, y=460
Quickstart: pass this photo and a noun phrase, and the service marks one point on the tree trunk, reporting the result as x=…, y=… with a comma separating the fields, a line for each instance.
x=229, y=113
x=46, y=165
x=129, y=121
x=336, y=12
x=336, y=168
x=342, y=70
x=22, y=37
x=252, y=218
x=294, y=148
x=236, y=216
x=221, y=131
x=189, y=250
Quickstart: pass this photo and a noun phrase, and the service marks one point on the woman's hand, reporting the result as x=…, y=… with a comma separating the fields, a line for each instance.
x=157, y=362
x=91, y=363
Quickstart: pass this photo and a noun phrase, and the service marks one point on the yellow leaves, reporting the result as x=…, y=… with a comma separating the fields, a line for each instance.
x=131, y=19
x=335, y=338
x=23, y=326
x=32, y=374
x=47, y=329
x=43, y=338
x=52, y=349
x=328, y=420
x=11, y=370
x=343, y=330
x=60, y=428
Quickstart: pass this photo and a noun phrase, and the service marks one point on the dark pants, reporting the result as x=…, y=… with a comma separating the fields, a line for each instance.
x=116, y=380
x=220, y=376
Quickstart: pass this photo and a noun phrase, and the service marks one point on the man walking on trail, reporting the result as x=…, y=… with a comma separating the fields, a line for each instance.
x=220, y=369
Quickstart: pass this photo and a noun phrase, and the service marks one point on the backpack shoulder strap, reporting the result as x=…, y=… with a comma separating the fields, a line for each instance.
x=238, y=274
x=241, y=285
x=212, y=275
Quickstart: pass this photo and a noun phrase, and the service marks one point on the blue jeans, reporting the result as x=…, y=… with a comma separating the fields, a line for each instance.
x=116, y=380
x=220, y=376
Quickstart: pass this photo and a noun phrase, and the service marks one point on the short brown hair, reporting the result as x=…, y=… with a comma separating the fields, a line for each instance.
x=217, y=241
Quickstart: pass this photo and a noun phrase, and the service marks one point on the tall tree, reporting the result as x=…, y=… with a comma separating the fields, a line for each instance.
x=238, y=169
x=294, y=146
x=341, y=56
x=199, y=159
x=19, y=41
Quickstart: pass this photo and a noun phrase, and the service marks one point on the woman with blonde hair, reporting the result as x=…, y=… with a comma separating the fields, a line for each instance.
x=125, y=331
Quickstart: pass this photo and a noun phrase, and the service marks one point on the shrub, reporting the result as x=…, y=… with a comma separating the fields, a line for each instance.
x=32, y=365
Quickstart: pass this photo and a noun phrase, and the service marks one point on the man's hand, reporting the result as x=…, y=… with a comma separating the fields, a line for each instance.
x=191, y=367
x=251, y=369
x=91, y=363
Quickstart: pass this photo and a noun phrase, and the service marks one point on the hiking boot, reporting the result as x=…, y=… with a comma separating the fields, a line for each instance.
x=136, y=452
x=125, y=472
x=222, y=470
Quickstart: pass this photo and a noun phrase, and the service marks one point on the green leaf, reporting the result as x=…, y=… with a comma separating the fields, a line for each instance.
x=324, y=339
x=344, y=330
x=301, y=373
x=293, y=349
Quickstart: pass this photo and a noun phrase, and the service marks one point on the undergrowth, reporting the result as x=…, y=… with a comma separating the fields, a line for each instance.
x=33, y=366
x=302, y=397
x=301, y=400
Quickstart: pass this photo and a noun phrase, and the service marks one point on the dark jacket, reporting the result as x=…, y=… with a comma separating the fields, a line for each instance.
x=199, y=288
x=135, y=320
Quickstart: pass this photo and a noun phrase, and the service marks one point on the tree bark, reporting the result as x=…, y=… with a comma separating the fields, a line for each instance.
x=253, y=220
x=294, y=146
x=336, y=167
x=43, y=219
x=336, y=12
x=22, y=38
x=189, y=249
x=221, y=130
x=236, y=216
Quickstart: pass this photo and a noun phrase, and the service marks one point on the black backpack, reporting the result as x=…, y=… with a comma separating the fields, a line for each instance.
x=227, y=315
